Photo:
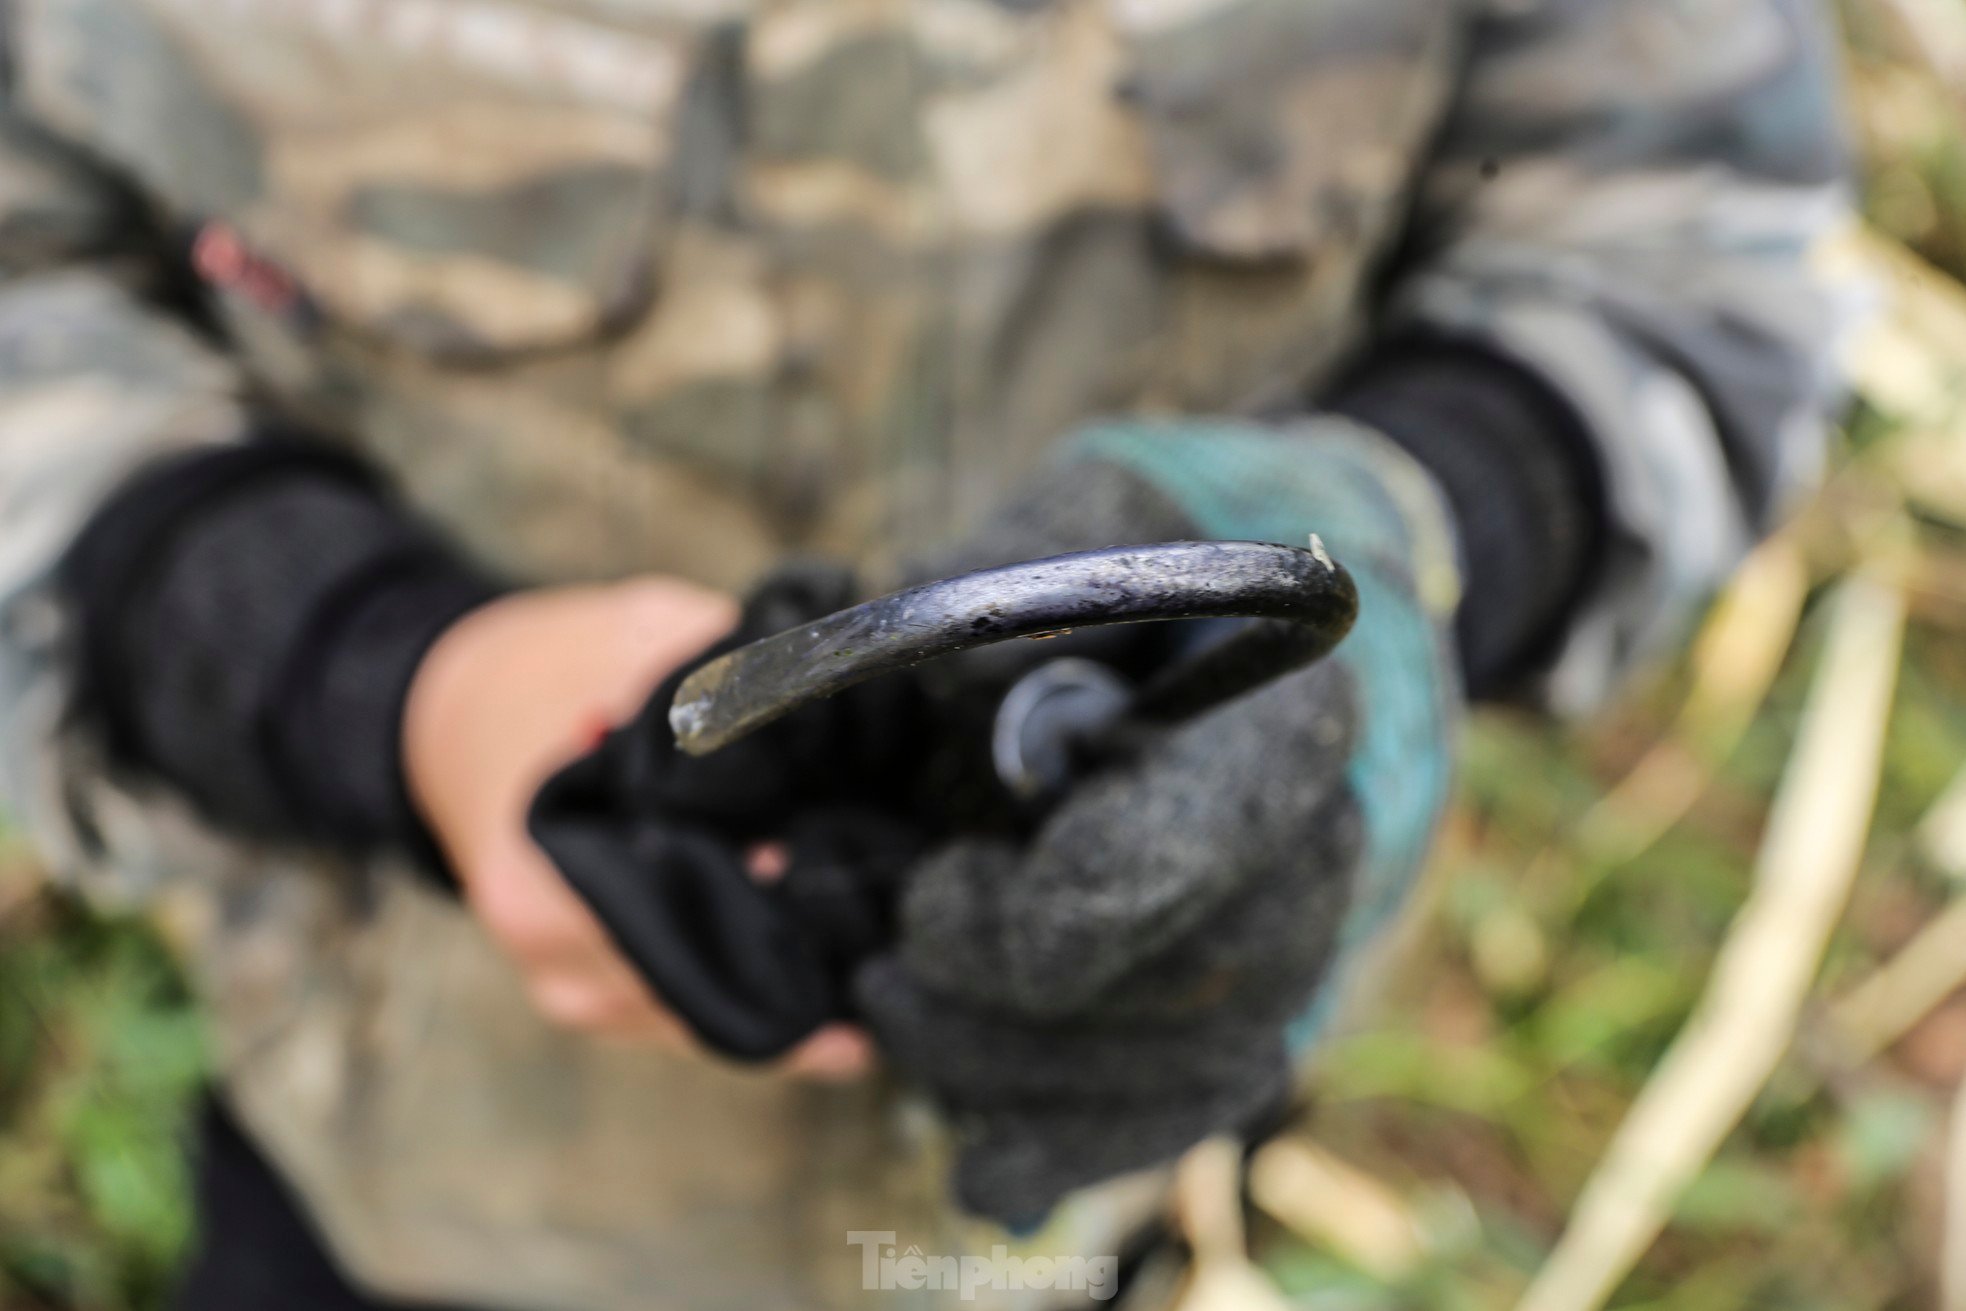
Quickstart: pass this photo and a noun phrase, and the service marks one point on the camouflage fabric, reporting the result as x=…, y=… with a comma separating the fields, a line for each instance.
x=615, y=285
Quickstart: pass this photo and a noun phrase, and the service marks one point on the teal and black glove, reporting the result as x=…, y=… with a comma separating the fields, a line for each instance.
x=1135, y=975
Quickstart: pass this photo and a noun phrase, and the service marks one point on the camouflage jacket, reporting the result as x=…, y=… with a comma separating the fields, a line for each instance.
x=615, y=285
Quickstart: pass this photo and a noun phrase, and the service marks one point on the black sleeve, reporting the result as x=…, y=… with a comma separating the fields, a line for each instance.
x=1522, y=481
x=248, y=619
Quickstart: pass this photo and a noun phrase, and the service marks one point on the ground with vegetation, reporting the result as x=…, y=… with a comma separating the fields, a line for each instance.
x=1590, y=882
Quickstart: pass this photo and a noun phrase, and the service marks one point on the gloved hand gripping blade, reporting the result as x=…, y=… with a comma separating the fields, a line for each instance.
x=754, y=968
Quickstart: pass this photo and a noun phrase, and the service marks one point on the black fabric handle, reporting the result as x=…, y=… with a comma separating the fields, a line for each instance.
x=655, y=843
x=719, y=949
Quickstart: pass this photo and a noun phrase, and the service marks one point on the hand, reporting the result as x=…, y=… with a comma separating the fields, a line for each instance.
x=1136, y=974
x=652, y=841
x=1118, y=988
x=506, y=696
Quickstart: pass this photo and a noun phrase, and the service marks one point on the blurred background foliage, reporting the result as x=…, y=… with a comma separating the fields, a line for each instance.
x=100, y=1056
x=1567, y=941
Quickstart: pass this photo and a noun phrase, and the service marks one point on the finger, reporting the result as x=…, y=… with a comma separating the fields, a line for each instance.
x=593, y=1002
x=650, y=1025
x=767, y=862
x=529, y=909
x=605, y=996
x=581, y=979
x=838, y=1053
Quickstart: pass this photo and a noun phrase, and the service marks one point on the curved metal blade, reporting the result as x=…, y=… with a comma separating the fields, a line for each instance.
x=1311, y=598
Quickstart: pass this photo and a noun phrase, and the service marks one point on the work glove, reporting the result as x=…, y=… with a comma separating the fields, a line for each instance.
x=1137, y=970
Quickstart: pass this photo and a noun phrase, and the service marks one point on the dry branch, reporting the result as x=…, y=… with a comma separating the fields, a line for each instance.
x=1208, y=1206
x=1935, y=36
x=1942, y=834
x=1903, y=991
x=1747, y=1017
x=1336, y=1205
x=1952, y=1270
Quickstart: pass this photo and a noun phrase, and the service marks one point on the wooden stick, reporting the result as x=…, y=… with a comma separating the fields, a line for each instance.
x=1902, y=991
x=1952, y=1268
x=1942, y=833
x=1935, y=36
x=1338, y=1206
x=1208, y=1205
x=1809, y=856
